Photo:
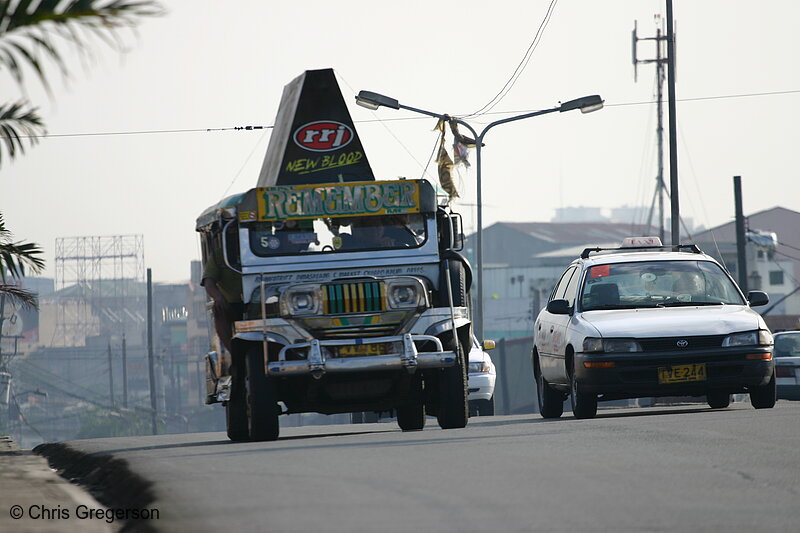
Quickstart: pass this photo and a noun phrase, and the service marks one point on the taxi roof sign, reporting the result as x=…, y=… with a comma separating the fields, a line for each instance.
x=638, y=242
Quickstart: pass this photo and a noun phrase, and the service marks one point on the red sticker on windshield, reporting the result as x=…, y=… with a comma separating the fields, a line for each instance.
x=600, y=271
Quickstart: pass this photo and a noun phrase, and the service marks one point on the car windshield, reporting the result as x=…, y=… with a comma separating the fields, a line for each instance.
x=657, y=284
x=787, y=344
x=333, y=235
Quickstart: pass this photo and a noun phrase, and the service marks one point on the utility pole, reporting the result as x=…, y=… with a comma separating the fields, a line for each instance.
x=124, y=373
x=660, y=62
x=741, y=242
x=150, y=357
x=674, y=196
x=110, y=376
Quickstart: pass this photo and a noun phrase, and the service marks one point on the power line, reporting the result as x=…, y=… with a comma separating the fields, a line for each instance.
x=513, y=112
x=520, y=67
x=789, y=246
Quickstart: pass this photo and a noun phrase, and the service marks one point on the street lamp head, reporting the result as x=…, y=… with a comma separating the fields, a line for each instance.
x=586, y=104
x=373, y=101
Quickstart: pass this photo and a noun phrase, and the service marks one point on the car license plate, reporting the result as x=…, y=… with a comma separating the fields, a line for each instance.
x=682, y=373
x=358, y=350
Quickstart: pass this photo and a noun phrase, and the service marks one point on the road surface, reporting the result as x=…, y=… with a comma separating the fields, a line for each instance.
x=681, y=468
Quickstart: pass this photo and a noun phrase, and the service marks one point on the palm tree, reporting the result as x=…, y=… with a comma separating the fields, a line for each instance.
x=14, y=258
x=31, y=30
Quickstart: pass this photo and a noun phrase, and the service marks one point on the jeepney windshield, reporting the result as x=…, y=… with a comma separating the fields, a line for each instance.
x=337, y=234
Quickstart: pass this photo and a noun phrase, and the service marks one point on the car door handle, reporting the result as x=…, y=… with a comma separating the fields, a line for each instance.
x=551, y=329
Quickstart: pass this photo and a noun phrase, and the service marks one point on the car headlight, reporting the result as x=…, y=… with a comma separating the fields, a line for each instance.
x=761, y=337
x=301, y=300
x=405, y=293
x=592, y=344
x=477, y=367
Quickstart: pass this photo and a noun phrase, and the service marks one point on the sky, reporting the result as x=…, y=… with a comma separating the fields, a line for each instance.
x=209, y=64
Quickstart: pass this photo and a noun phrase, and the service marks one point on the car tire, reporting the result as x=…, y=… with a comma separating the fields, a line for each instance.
x=262, y=403
x=236, y=407
x=764, y=396
x=486, y=407
x=584, y=405
x=718, y=399
x=453, y=409
x=551, y=402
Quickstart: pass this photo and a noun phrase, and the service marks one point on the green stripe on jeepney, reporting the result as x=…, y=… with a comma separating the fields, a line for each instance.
x=339, y=299
x=368, y=297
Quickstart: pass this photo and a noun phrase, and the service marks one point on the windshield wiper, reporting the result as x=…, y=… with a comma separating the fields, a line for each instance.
x=690, y=304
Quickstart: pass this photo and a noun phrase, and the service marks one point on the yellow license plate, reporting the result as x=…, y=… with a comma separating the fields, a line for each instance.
x=682, y=373
x=362, y=350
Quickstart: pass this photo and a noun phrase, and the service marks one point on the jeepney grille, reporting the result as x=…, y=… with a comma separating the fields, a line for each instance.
x=670, y=344
x=360, y=297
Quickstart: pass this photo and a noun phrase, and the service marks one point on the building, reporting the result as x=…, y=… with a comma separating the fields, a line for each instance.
x=523, y=260
x=773, y=263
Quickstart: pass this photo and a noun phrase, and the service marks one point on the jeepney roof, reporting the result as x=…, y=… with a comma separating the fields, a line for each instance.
x=212, y=213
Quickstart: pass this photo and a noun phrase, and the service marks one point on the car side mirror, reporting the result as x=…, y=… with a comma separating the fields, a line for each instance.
x=489, y=344
x=559, y=306
x=757, y=298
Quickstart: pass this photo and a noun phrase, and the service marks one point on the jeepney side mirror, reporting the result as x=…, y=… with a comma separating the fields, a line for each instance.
x=450, y=236
x=489, y=344
x=559, y=306
x=756, y=298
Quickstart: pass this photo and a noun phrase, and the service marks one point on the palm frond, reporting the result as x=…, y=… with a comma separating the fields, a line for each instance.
x=26, y=27
x=16, y=256
x=18, y=295
x=18, y=124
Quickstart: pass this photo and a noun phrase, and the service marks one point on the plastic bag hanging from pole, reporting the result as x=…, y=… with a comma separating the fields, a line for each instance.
x=461, y=145
x=445, y=166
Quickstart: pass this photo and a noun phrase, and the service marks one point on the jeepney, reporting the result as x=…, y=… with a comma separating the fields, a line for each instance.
x=356, y=299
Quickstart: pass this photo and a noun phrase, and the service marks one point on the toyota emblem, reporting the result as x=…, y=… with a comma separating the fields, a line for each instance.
x=683, y=343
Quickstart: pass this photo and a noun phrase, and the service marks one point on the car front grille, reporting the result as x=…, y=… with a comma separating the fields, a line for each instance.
x=677, y=344
x=359, y=297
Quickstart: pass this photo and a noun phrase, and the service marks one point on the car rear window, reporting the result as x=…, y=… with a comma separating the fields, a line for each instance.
x=787, y=345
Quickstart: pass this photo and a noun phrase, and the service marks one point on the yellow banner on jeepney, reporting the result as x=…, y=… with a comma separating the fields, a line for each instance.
x=338, y=200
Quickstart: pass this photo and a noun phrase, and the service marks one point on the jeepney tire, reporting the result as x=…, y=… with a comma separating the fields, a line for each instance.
x=262, y=403
x=411, y=417
x=458, y=285
x=583, y=405
x=718, y=399
x=551, y=402
x=453, y=410
x=236, y=408
x=764, y=396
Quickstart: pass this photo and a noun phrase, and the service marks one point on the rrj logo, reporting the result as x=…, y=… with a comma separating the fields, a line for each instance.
x=323, y=136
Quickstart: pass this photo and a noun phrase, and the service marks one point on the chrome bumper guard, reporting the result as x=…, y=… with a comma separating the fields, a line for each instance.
x=318, y=360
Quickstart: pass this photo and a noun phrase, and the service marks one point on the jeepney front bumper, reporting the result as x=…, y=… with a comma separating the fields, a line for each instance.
x=320, y=357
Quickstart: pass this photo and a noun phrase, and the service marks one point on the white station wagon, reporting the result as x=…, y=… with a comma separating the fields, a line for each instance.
x=646, y=320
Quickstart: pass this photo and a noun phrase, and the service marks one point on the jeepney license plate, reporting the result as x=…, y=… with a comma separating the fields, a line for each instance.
x=358, y=350
x=682, y=373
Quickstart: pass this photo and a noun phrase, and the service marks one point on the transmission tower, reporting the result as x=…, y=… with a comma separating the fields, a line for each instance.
x=660, y=62
x=99, y=287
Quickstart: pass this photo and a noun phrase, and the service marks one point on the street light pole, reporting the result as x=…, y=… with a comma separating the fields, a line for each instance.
x=373, y=101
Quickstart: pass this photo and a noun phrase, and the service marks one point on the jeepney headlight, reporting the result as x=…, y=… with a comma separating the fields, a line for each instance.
x=592, y=344
x=750, y=338
x=300, y=300
x=271, y=308
x=405, y=293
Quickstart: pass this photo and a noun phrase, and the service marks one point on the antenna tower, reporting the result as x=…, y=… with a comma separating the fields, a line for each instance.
x=661, y=63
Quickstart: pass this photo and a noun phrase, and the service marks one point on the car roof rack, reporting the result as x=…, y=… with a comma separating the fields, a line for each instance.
x=673, y=248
